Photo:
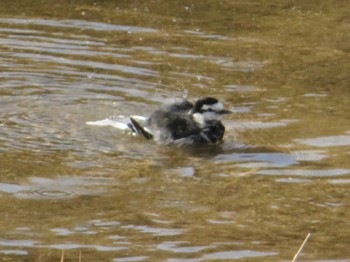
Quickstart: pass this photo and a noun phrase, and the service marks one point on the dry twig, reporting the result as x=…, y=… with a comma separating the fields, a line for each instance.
x=62, y=257
x=301, y=247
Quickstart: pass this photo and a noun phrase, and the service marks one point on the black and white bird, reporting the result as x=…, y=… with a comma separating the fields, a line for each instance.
x=183, y=123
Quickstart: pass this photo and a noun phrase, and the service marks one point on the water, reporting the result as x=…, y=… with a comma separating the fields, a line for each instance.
x=282, y=172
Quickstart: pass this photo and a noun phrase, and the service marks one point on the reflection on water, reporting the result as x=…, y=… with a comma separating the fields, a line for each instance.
x=327, y=141
x=283, y=170
x=77, y=24
x=237, y=254
x=307, y=173
x=155, y=231
x=258, y=159
x=172, y=246
x=130, y=259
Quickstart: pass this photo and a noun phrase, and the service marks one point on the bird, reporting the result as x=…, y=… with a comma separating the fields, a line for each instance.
x=183, y=123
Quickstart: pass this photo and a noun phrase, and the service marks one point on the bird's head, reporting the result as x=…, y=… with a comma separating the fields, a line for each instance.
x=208, y=108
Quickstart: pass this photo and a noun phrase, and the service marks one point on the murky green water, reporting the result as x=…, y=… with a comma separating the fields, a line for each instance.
x=282, y=172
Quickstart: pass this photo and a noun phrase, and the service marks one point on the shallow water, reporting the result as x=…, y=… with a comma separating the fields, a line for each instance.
x=282, y=172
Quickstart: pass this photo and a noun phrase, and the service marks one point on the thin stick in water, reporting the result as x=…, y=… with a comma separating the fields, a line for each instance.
x=301, y=248
x=62, y=257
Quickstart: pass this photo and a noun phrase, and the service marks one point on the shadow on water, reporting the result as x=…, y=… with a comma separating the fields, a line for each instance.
x=202, y=151
x=281, y=172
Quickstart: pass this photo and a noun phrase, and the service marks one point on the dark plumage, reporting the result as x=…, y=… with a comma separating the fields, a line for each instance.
x=184, y=123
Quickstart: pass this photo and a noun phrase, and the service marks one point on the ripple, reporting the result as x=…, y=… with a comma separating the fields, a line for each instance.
x=80, y=246
x=219, y=222
x=77, y=230
x=201, y=34
x=226, y=255
x=174, y=247
x=155, y=231
x=20, y=31
x=315, y=95
x=245, y=124
x=340, y=181
x=52, y=193
x=241, y=66
x=80, y=24
x=326, y=141
x=184, y=171
x=43, y=68
x=258, y=159
x=14, y=252
x=10, y=188
x=130, y=259
x=18, y=242
x=306, y=172
x=65, y=47
x=293, y=180
x=91, y=64
x=62, y=231
x=310, y=155
x=241, y=88
x=101, y=223
x=56, y=188
x=237, y=254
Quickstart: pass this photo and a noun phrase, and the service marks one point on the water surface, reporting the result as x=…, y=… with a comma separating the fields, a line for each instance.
x=282, y=172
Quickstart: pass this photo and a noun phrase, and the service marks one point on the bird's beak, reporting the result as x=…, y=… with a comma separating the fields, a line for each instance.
x=224, y=112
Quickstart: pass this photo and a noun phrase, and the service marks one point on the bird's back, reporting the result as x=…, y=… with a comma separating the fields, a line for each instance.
x=168, y=126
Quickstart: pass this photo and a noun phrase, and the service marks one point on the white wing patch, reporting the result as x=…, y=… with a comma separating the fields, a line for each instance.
x=119, y=122
x=109, y=122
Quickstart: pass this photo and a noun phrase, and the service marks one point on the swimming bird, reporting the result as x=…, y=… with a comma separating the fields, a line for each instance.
x=183, y=122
